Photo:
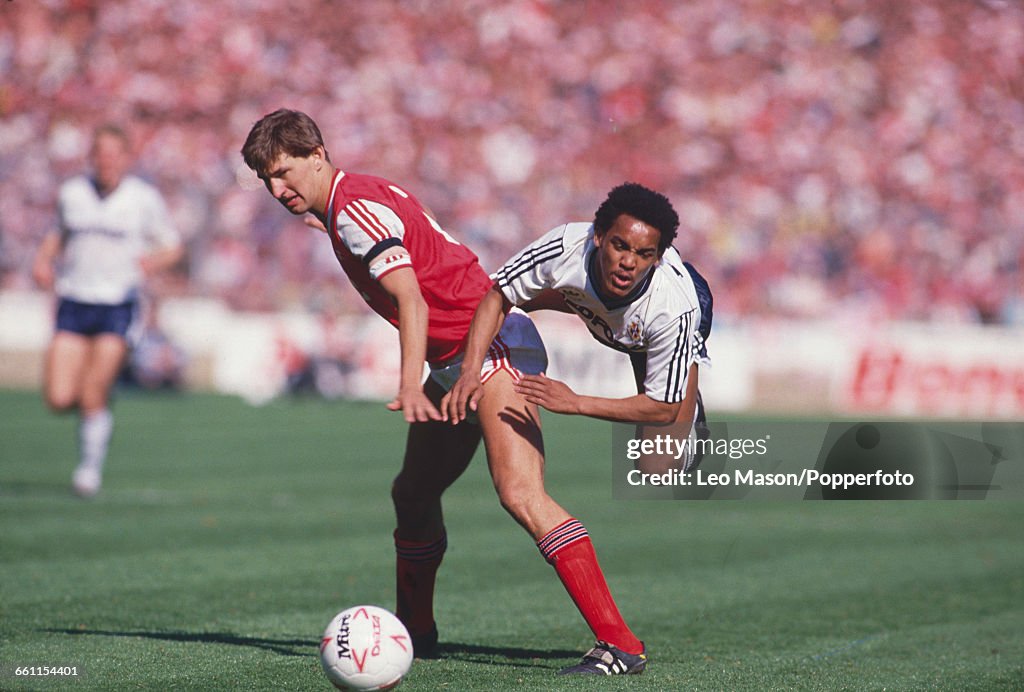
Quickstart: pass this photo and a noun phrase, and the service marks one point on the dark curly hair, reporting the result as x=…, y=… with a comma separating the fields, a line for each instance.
x=653, y=208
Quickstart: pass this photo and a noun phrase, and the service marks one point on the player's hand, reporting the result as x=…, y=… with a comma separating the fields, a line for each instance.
x=43, y=275
x=148, y=266
x=463, y=397
x=314, y=223
x=415, y=405
x=553, y=395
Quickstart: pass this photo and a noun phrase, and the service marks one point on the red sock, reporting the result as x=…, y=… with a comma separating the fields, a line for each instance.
x=416, y=566
x=569, y=550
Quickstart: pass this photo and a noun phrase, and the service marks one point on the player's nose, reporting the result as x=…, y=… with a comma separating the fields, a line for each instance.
x=277, y=188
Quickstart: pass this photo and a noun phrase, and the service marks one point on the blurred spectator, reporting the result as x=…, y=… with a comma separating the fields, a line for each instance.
x=858, y=157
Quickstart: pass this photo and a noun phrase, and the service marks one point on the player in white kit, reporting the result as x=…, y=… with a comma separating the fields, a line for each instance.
x=114, y=231
x=621, y=276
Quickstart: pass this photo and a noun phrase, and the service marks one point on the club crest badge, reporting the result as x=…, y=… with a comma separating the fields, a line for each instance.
x=635, y=331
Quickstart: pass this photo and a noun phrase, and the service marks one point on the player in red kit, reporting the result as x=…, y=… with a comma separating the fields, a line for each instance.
x=370, y=218
x=422, y=281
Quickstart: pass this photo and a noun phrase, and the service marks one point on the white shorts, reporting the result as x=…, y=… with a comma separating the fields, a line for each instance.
x=517, y=349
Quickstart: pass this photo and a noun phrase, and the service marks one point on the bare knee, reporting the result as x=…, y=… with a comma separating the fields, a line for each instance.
x=519, y=499
x=61, y=402
x=659, y=465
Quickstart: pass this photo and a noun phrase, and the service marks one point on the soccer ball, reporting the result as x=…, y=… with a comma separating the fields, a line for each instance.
x=365, y=648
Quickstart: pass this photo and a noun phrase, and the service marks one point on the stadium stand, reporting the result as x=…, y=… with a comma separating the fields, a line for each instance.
x=857, y=157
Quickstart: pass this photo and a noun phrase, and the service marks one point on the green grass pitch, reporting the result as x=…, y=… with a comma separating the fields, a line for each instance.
x=227, y=536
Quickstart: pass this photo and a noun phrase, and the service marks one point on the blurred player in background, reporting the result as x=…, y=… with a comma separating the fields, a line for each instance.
x=426, y=284
x=629, y=286
x=114, y=232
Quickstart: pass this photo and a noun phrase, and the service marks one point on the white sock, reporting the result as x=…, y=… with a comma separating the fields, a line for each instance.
x=94, y=431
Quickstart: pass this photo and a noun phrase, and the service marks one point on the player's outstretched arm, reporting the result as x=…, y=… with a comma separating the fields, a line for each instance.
x=413, y=318
x=557, y=397
x=465, y=394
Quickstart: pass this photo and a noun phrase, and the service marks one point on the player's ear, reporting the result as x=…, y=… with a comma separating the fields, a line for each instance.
x=319, y=157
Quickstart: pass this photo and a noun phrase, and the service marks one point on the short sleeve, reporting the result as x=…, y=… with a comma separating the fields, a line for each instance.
x=670, y=355
x=370, y=229
x=532, y=270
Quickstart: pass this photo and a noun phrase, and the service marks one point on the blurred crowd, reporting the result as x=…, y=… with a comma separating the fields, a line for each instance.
x=852, y=158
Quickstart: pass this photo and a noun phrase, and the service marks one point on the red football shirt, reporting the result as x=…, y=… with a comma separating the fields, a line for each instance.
x=367, y=216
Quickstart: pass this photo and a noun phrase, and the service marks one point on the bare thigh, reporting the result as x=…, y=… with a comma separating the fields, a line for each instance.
x=105, y=361
x=66, y=361
x=515, y=456
x=80, y=370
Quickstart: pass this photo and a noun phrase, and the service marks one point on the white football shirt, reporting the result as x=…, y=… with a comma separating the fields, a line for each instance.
x=104, y=238
x=667, y=316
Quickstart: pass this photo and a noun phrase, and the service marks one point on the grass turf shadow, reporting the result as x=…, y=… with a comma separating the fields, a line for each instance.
x=470, y=653
x=284, y=647
x=501, y=655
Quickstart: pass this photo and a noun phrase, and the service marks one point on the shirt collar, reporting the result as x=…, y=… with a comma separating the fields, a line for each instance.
x=593, y=275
